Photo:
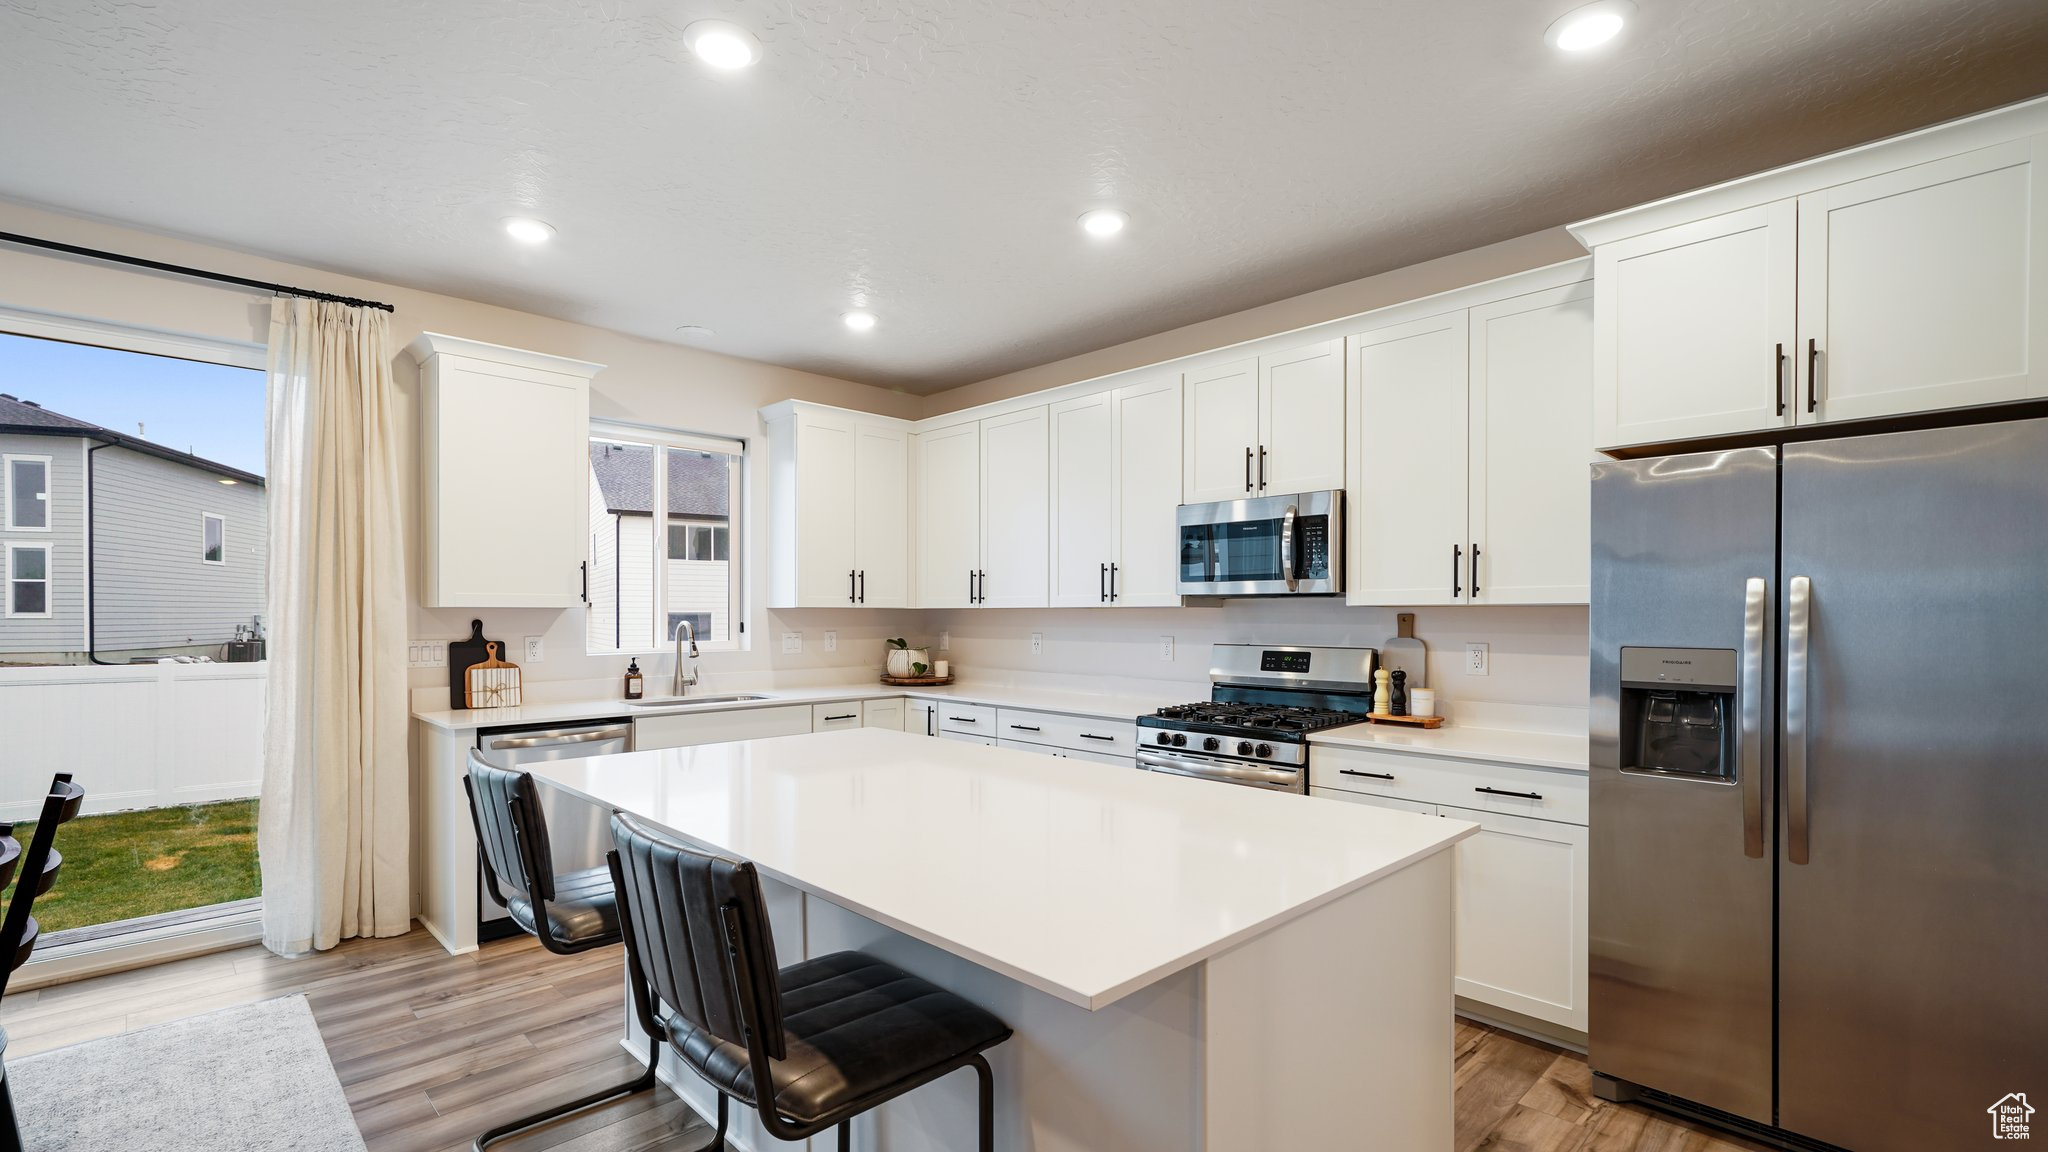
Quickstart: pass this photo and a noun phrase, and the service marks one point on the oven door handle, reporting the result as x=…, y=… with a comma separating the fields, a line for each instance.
x=1287, y=549
x=1205, y=770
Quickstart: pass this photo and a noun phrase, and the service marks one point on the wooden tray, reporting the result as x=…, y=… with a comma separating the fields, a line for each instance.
x=1410, y=721
x=916, y=681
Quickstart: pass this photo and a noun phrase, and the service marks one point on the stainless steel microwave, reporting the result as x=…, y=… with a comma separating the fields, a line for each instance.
x=1268, y=546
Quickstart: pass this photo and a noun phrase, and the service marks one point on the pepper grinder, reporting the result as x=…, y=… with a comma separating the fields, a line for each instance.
x=1382, y=693
x=1398, y=697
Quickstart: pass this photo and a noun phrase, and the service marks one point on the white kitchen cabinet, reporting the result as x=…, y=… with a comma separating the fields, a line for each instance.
x=1927, y=287
x=1390, y=802
x=948, y=519
x=920, y=717
x=886, y=713
x=1520, y=913
x=838, y=508
x=1408, y=541
x=836, y=716
x=1116, y=481
x=686, y=729
x=970, y=738
x=1015, y=510
x=504, y=469
x=1270, y=426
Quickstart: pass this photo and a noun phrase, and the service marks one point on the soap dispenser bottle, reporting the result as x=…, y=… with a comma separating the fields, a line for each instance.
x=636, y=685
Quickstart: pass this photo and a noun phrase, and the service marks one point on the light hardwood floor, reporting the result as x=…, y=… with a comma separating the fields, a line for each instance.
x=432, y=1049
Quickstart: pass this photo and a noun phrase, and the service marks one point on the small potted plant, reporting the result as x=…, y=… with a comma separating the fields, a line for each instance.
x=906, y=662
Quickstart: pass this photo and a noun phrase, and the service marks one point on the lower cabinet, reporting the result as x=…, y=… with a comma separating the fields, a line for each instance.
x=681, y=730
x=1520, y=883
x=921, y=717
x=833, y=717
x=968, y=738
x=882, y=713
x=1069, y=753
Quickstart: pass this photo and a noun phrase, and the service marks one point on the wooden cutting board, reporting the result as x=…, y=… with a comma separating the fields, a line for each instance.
x=461, y=655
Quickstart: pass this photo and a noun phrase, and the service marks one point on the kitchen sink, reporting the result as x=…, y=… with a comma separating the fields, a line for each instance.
x=691, y=701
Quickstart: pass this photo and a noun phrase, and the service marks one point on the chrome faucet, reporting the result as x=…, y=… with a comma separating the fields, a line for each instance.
x=684, y=682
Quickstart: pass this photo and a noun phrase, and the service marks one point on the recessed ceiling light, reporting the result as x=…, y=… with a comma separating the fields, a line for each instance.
x=858, y=321
x=1590, y=26
x=722, y=45
x=527, y=230
x=1104, y=222
x=694, y=332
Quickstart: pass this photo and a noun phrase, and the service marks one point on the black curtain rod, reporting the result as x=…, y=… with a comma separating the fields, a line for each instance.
x=182, y=270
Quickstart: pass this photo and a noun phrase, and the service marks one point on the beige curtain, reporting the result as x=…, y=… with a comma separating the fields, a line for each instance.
x=334, y=834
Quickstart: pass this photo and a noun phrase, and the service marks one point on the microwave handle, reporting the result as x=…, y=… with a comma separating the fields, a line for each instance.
x=1287, y=549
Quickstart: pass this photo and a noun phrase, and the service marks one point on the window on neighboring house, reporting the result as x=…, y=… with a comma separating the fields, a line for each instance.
x=28, y=579
x=213, y=538
x=663, y=509
x=28, y=493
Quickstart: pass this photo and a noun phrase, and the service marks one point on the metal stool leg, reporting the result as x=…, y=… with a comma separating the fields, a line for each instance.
x=641, y=1083
x=10, y=1135
x=988, y=1104
x=846, y=1136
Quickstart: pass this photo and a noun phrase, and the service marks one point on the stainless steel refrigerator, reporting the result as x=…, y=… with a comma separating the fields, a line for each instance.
x=1820, y=783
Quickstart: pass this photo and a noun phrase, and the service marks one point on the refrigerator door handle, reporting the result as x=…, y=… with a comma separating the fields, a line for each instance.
x=1798, y=619
x=1751, y=719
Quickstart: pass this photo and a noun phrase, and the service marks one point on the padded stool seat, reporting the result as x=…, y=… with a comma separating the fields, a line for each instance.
x=583, y=908
x=854, y=1026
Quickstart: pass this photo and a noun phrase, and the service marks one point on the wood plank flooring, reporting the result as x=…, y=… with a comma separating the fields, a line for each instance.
x=432, y=1049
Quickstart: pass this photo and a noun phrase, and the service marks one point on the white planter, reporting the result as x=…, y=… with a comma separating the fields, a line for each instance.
x=900, y=660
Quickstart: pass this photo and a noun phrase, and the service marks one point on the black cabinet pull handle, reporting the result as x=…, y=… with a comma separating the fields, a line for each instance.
x=1475, y=568
x=1026, y=728
x=1112, y=583
x=1505, y=792
x=1457, y=558
x=1093, y=736
x=963, y=719
x=850, y=598
x=1262, y=467
x=586, y=581
x=1102, y=584
x=848, y=716
x=863, y=585
x=1778, y=374
x=1812, y=360
x=1247, y=469
x=1374, y=775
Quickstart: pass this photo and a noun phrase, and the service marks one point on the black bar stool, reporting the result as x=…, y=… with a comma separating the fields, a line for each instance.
x=568, y=913
x=808, y=1046
x=19, y=931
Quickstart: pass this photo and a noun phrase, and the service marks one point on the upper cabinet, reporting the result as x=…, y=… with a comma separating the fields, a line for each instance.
x=839, y=508
x=1266, y=426
x=504, y=463
x=1906, y=276
x=1471, y=452
x=982, y=512
x=1116, y=481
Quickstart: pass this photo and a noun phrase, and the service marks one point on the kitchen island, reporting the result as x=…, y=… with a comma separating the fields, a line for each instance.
x=1187, y=965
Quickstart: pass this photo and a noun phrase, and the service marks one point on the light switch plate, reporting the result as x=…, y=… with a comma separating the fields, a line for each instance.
x=945, y=641
x=535, y=650
x=792, y=642
x=831, y=641
x=1475, y=659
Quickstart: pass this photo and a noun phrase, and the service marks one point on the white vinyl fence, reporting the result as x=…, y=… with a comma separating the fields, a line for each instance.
x=135, y=736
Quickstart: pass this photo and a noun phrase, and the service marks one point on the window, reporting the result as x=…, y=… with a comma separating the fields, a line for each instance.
x=28, y=493
x=28, y=579
x=213, y=538
x=663, y=510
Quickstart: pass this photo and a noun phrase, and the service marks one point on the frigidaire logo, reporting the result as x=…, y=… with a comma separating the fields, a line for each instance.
x=1675, y=661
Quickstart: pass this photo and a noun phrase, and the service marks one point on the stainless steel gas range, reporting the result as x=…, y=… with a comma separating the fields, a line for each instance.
x=1264, y=701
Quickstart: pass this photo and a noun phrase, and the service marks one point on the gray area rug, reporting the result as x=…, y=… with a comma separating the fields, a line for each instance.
x=254, y=1078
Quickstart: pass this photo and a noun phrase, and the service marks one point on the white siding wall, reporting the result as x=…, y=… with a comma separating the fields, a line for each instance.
x=636, y=582
x=155, y=590
x=62, y=635
x=602, y=612
x=700, y=586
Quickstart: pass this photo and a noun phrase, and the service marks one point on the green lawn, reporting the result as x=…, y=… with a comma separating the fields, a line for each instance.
x=127, y=864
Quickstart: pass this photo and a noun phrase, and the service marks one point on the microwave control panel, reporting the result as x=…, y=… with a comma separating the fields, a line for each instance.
x=1315, y=547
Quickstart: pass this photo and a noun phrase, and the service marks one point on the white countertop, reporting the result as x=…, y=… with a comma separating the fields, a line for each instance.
x=1083, y=882
x=1497, y=745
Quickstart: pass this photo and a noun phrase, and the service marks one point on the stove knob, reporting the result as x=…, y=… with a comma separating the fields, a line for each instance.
x=1210, y=744
x=1244, y=747
x=1265, y=750
x=1179, y=740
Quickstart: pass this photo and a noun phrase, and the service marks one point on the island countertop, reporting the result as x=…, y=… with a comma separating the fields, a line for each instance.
x=1084, y=882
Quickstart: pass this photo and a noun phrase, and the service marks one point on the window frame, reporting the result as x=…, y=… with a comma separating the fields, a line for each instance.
x=7, y=463
x=738, y=637
x=203, y=518
x=48, y=581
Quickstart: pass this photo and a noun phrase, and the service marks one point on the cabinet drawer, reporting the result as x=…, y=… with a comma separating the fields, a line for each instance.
x=681, y=731
x=969, y=719
x=1076, y=733
x=1511, y=789
x=968, y=738
x=832, y=717
x=1397, y=805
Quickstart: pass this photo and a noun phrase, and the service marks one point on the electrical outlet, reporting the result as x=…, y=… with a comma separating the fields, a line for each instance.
x=945, y=641
x=1166, y=647
x=1038, y=643
x=831, y=641
x=792, y=642
x=1475, y=659
x=535, y=651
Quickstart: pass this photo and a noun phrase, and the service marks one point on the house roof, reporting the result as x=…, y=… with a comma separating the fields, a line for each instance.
x=20, y=417
x=697, y=486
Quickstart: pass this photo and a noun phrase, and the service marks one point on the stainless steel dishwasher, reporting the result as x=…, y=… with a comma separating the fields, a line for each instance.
x=579, y=834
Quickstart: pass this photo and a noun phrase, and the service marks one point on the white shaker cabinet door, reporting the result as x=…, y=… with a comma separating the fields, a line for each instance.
x=1926, y=288
x=948, y=515
x=1531, y=448
x=1408, y=543
x=1015, y=511
x=1148, y=480
x=1521, y=916
x=1695, y=328
x=1083, y=499
x=826, y=506
x=1301, y=416
x=881, y=516
x=1220, y=437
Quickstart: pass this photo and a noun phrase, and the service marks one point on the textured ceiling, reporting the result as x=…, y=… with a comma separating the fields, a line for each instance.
x=927, y=160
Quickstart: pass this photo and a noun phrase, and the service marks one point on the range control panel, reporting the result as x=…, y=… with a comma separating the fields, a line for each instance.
x=1270, y=661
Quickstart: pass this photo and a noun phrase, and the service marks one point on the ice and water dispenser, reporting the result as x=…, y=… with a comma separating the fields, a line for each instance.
x=1678, y=712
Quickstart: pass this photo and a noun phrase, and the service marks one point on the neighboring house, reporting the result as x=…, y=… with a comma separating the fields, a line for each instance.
x=113, y=546
x=697, y=541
